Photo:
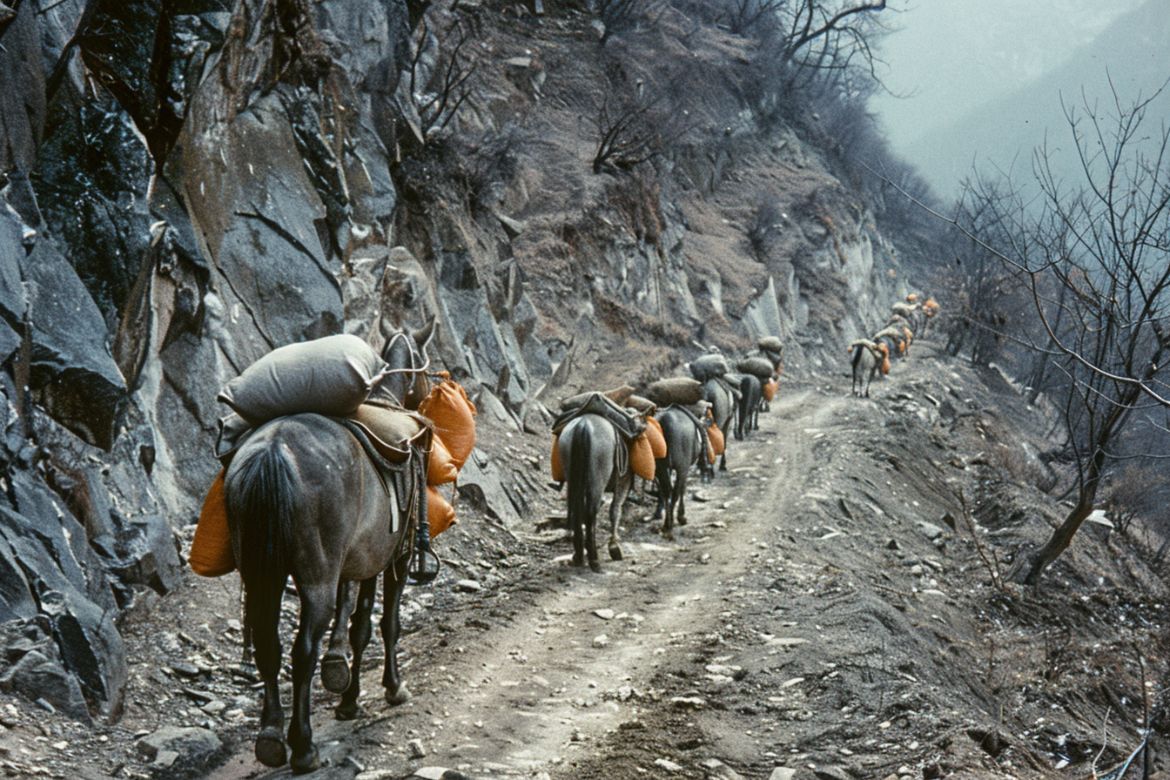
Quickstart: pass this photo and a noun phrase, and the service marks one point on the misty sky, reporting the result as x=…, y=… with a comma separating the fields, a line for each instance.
x=949, y=56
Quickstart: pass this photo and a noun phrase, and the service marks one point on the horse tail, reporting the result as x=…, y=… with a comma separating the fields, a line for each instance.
x=578, y=476
x=261, y=503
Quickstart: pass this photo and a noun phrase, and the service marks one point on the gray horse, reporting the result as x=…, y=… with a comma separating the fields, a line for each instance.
x=866, y=361
x=594, y=459
x=684, y=448
x=723, y=410
x=305, y=500
x=749, y=406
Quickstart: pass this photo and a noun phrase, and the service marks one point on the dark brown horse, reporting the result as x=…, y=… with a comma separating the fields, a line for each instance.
x=304, y=500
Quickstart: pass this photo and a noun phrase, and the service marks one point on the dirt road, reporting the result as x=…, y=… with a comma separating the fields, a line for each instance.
x=686, y=658
x=535, y=676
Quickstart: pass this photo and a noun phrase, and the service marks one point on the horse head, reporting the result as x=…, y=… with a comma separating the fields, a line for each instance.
x=405, y=354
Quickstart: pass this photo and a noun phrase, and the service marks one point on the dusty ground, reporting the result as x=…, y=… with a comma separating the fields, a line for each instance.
x=825, y=609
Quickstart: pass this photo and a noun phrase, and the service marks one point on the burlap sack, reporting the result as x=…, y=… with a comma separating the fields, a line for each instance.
x=331, y=376
x=708, y=367
x=657, y=438
x=756, y=366
x=211, y=551
x=453, y=414
x=642, y=457
x=440, y=513
x=680, y=390
x=771, y=344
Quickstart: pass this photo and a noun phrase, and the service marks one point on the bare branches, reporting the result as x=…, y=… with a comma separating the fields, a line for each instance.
x=635, y=127
x=1095, y=261
x=443, y=68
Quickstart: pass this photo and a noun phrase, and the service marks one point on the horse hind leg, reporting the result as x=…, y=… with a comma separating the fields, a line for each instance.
x=680, y=497
x=590, y=533
x=615, y=516
x=393, y=583
x=360, y=630
x=317, y=605
x=263, y=620
x=335, y=662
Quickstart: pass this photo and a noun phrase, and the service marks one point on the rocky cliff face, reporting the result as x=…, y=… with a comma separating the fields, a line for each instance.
x=187, y=185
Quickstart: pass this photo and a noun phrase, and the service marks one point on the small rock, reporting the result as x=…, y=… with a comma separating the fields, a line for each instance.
x=930, y=530
x=184, y=669
x=214, y=707
x=415, y=749
x=688, y=702
x=165, y=759
x=378, y=774
x=601, y=640
x=193, y=747
x=667, y=765
x=782, y=773
x=916, y=570
x=468, y=586
x=604, y=614
x=718, y=770
x=437, y=773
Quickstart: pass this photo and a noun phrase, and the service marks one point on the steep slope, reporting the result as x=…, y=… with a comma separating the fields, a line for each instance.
x=1130, y=54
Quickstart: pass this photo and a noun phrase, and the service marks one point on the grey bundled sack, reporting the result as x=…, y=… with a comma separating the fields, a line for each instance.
x=771, y=344
x=681, y=390
x=757, y=366
x=709, y=367
x=331, y=376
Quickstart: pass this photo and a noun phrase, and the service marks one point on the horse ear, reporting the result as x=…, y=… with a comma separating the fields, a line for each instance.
x=385, y=328
x=422, y=336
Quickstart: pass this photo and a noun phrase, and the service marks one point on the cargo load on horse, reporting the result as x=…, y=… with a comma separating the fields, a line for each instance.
x=759, y=367
x=675, y=390
x=330, y=376
x=619, y=395
x=771, y=344
x=708, y=367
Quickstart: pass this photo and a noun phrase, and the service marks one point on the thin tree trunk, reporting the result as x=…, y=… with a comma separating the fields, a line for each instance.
x=1057, y=543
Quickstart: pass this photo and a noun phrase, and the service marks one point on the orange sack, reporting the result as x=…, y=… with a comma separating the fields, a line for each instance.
x=440, y=467
x=885, y=350
x=211, y=552
x=656, y=437
x=769, y=389
x=715, y=439
x=642, y=457
x=440, y=513
x=558, y=469
x=453, y=414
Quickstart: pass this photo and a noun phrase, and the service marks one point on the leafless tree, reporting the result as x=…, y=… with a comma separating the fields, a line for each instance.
x=1095, y=259
x=443, y=68
x=745, y=16
x=634, y=126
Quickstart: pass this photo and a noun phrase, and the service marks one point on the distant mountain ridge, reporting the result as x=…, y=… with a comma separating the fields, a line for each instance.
x=1003, y=132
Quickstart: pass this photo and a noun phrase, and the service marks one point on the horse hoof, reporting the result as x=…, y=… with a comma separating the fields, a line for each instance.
x=682, y=521
x=399, y=696
x=578, y=562
x=270, y=750
x=595, y=565
x=668, y=534
x=335, y=673
x=308, y=762
x=615, y=553
x=347, y=711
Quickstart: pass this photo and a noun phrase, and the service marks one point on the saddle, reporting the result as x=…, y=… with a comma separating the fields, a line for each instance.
x=396, y=442
x=629, y=426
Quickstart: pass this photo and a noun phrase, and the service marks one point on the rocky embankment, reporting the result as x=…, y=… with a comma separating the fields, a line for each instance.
x=185, y=186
